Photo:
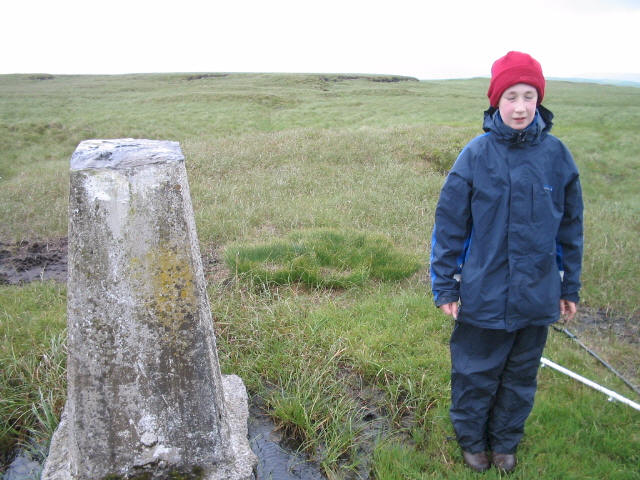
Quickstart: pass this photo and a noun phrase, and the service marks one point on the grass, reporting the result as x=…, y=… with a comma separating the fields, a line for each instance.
x=384, y=349
x=32, y=363
x=359, y=376
x=321, y=258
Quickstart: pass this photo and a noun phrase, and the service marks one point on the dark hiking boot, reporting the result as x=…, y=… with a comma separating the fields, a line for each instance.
x=505, y=461
x=476, y=461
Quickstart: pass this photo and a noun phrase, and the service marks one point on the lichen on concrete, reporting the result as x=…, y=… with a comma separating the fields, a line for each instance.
x=167, y=278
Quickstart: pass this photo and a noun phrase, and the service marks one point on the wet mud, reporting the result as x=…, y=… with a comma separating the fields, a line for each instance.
x=599, y=322
x=29, y=261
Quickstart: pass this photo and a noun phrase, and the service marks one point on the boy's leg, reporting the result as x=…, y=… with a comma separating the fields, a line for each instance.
x=478, y=357
x=514, y=398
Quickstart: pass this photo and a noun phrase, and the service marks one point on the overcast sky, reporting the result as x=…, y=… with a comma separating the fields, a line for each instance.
x=424, y=39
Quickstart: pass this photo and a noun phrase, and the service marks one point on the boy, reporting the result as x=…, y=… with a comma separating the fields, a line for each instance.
x=507, y=244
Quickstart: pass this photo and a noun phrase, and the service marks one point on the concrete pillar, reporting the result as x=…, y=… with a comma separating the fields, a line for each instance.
x=145, y=398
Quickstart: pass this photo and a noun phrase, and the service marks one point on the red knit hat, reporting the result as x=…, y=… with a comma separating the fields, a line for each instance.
x=515, y=67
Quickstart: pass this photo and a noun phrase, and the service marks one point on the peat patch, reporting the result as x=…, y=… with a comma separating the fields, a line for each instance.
x=29, y=261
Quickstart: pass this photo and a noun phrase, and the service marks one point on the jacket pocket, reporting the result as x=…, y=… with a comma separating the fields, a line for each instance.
x=537, y=286
x=542, y=207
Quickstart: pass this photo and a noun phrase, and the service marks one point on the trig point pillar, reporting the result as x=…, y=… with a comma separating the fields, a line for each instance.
x=145, y=397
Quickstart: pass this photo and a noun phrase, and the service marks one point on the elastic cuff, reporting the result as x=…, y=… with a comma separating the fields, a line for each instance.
x=444, y=299
x=572, y=297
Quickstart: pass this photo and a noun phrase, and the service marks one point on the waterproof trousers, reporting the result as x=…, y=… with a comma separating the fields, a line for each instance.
x=493, y=384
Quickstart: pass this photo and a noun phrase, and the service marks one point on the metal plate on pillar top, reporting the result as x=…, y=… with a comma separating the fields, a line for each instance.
x=124, y=153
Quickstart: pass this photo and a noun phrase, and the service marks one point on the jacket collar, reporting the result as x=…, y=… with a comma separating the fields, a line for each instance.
x=533, y=134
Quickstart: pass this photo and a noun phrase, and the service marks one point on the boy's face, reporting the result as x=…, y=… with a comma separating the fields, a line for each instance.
x=518, y=105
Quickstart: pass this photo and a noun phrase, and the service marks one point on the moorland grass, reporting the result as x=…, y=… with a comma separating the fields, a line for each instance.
x=272, y=155
x=32, y=363
x=373, y=155
x=387, y=339
x=321, y=258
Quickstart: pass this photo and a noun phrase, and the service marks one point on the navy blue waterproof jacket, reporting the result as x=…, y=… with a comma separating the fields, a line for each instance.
x=508, y=235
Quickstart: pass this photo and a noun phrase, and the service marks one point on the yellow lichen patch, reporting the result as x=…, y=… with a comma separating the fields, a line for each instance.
x=172, y=300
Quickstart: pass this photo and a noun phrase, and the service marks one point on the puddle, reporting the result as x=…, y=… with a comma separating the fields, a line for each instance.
x=275, y=461
x=23, y=468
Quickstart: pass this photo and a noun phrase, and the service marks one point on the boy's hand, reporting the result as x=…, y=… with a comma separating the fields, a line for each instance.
x=567, y=309
x=450, y=309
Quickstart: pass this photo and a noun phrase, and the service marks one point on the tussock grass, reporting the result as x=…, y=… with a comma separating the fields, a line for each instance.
x=32, y=363
x=322, y=258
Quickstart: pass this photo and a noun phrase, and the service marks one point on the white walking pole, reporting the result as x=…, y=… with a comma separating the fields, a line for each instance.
x=612, y=395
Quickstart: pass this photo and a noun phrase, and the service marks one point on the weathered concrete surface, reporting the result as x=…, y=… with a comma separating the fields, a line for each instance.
x=145, y=396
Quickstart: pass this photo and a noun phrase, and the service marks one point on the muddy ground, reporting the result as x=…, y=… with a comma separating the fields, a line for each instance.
x=28, y=261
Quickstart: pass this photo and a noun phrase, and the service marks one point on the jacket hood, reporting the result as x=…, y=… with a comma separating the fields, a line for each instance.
x=533, y=134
